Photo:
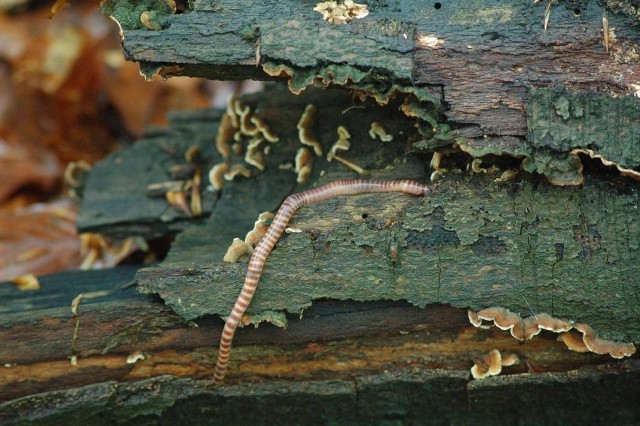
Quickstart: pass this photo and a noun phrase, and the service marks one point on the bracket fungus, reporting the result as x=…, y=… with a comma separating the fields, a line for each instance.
x=178, y=200
x=26, y=282
x=237, y=170
x=259, y=228
x=435, y=165
x=216, y=175
x=623, y=171
x=378, y=131
x=491, y=364
x=521, y=329
x=196, y=199
x=237, y=122
x=303, y=165
x=342, y=144
x=244, y=112
x=573, y=341
x=254, y=155
x=239, y=248
x=262, y=127
x=236, y=250
x=524, y=329
x=307, y=119
x=226, y=129
x=600, y=346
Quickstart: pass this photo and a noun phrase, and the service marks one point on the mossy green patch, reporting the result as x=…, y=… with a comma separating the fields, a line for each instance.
x=127, y=13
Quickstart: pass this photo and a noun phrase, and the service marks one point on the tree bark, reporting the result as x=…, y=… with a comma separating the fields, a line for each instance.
x=536, y=93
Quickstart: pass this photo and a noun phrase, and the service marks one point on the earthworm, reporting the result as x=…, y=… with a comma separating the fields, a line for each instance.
x=290, y=205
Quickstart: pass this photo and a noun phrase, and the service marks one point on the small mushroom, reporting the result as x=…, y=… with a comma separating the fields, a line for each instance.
x=231, y=112
x=475, y=166
x=148, y=19
x=506, y=176
x=75, y=172
x=196, y=199
x=135, y=357
x=244, y=112
x=192, y=155
x=341, y=13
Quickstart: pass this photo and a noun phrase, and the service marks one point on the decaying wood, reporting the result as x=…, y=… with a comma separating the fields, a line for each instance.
x=473, y=242
x=126, y=344
x=495, y=71
x=466, y=80
x=408, y=397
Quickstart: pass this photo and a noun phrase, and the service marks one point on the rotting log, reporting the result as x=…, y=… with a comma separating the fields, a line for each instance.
x=436, y=397
x=505, y=84
x=472, y=242
x=524, y=244
x=137, y=361
x=474, y=81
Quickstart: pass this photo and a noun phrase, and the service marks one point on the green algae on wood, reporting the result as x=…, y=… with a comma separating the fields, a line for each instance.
x=115, y=199
x=526, y=246
x=561, y=120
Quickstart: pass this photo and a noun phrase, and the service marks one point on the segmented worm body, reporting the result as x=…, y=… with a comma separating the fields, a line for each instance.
x=268, y=241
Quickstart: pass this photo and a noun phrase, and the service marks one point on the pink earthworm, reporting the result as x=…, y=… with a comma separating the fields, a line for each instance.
x=290, y=205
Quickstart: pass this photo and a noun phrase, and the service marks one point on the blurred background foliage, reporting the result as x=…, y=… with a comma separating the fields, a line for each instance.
x=68, y=99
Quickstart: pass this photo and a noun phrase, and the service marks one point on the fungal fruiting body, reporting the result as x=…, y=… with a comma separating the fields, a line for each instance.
x=216, y=175
x=303, y=165
x=521, y=329
x=601, y=346
x=491, y=364
x=341, y=12
x=304, y=129
x=524, y=329
x=342, y=144
x=237, y=122
x=378, y=130
x=226, y=129
x=275, y=230
x=239, y=248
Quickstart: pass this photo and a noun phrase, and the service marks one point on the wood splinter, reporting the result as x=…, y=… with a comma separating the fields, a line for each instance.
x=290, y=205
